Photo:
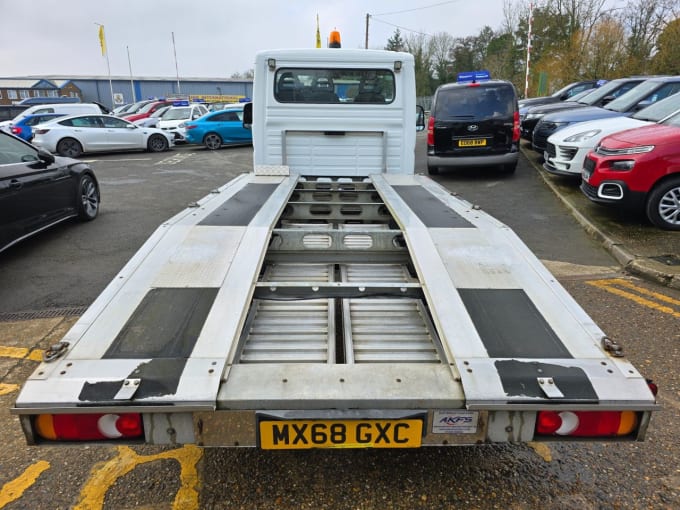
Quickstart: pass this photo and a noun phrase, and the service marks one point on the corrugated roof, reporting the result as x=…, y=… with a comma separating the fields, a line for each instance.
x=17, y=83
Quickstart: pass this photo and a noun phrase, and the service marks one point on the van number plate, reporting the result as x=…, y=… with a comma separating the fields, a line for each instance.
x=304, y=434
x=477, y=142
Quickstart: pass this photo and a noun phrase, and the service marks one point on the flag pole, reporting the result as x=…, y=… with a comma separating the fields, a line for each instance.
x=174, y=51
x=102, y=42
x=132, y=83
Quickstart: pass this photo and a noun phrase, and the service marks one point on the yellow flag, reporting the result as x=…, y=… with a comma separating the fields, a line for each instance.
x=102, y=40
x=318, y=34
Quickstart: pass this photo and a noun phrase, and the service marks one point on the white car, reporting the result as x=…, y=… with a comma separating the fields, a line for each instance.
x=71, y=136
x=567, y=148
x=174, y=117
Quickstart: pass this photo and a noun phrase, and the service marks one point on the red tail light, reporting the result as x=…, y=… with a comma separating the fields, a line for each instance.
x=41, y=131
x=190, y=126
x=430, y=131
x=89, y=427
x=515, y=126
x=16, y=130
x=586, y=423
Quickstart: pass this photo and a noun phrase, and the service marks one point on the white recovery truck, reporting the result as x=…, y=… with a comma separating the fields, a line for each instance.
x=333, y=298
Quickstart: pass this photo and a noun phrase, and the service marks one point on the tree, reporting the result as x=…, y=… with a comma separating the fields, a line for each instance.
x=395, y=43
x=441, y=45
x=416, y=45
x=644, y=21
x=667, y=58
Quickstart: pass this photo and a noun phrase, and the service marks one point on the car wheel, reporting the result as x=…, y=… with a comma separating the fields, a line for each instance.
x=88, y=198
x=69, y=147
x=432, y=170
x=157, y=143
x=212, y=141
x=663, y=204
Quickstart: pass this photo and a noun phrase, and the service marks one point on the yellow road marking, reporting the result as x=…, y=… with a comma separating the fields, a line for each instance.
x=14, y=489
x=6, y=389
x=610, y=286
x=21, y=353
x=542, y=449
x=105, y=474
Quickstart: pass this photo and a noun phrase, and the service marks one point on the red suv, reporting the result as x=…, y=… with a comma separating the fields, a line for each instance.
x=639, y=168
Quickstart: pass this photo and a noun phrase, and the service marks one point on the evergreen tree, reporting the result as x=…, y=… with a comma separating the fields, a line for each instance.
x=395, y=43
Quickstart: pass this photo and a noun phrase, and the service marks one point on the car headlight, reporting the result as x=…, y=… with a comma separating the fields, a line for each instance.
x=582, y=137
x=182, y=125
x=640, y=149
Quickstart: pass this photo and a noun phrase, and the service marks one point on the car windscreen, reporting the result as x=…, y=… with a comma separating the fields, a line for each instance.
x=177, y=113
x=332, y=85
x=612, y=88
x=659, y=111
x=627, y=101
x=474, y=102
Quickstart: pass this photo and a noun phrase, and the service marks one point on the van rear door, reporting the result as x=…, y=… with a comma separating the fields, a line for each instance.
x=473, y=119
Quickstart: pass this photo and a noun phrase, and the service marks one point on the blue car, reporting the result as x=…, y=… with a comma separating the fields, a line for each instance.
x=223, y=127
x=23, y=128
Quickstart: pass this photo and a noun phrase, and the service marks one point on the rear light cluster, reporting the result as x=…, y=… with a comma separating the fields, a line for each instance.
x=41, y=131
x=586, y=423
x=16, y=130
x=89, y=427
x=430, y=131
x=515, y=127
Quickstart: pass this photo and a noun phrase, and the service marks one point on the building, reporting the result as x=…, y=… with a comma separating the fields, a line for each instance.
x=15, y=90
x=126, y=90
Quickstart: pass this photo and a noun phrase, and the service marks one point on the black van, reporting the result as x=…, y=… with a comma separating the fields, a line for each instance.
x=474, y=124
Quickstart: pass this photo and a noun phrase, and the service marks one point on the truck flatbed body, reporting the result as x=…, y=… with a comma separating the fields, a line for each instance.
x=287, y=293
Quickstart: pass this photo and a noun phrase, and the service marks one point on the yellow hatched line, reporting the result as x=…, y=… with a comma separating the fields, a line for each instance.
x=609, y=286
x=14, y=489
x=21, y=353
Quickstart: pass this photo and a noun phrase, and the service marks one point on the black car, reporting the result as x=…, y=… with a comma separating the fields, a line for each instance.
x=566, y=92
x=39, y=190
x=473, y=124
x=600, y=97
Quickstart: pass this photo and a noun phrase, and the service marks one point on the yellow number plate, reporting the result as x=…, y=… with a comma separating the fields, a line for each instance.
x=303, y=434
x=477, y=142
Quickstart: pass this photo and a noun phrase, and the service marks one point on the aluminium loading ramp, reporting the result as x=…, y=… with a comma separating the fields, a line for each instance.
x=283, y=292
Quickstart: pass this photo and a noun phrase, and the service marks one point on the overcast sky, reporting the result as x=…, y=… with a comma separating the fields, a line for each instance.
x=213, y=38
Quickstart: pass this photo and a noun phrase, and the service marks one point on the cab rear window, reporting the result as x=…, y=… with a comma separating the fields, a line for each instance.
x=328, y=86
x=474, y=102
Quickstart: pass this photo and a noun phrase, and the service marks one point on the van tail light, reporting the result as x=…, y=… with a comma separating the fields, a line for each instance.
x=586, y=423
x=515, y=126
x=16, y=130
x=89, y=427
x=430, y=131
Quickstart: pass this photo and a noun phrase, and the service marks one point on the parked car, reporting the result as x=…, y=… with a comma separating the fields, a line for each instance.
x=24, y=127
x=566, y=92
x=64, y=109
x=39, y=190
x=646, y=93
x=135, y=107
x=73, y=135
x=596, y=97
x=153, y=119
x=640, y=169
x=221, y=127
x=181, y=112
x=567, y=148
x=146, y=111
x=473, y=124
